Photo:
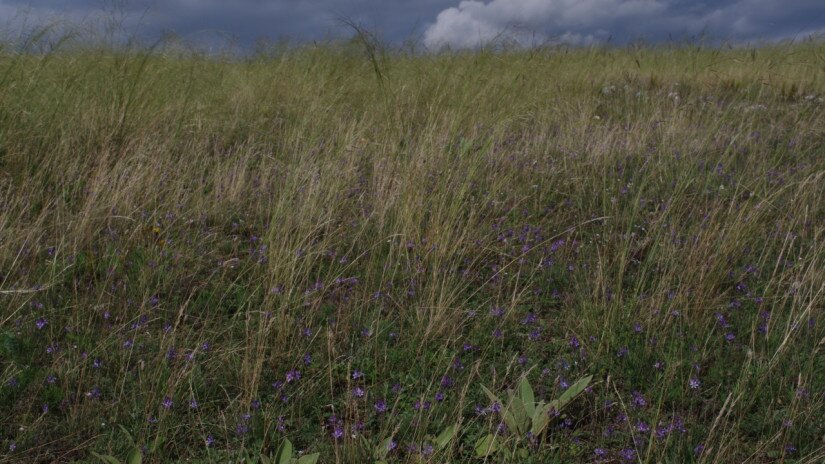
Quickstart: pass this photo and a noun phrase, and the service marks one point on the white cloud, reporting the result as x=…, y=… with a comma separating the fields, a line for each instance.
x=476, y=22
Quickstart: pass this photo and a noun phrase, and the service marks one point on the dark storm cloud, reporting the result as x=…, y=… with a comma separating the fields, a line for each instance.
x=440, y=22
x=245, y=20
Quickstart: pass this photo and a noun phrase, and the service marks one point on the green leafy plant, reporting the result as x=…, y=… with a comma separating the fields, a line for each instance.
x=135, y=455
x=285, y=456
x=522, y=414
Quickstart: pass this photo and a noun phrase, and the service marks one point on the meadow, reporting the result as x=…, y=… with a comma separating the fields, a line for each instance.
x=606, y=254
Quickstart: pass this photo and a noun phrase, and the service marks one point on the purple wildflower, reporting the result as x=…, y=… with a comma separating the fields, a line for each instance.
x=639, y=400
x=628, y=454
x=293, y=375
x=380, y=406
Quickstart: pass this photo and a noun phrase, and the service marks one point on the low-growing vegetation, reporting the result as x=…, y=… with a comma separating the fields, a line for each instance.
x=315, y=254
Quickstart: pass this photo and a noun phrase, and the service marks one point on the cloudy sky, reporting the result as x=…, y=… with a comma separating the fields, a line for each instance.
x=435, y=23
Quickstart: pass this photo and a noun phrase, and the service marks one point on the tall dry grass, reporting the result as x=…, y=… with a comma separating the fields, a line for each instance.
x=190, y=227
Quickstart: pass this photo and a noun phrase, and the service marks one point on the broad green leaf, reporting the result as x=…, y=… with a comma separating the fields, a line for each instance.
x=265, y=460
x=285, y=453
x=486, y=445
x=518, y=416
x=309, y=458
x=128, y=435
x=134, y=457
x=540, y=418
x=528, y=398
x=510, y=420
x=444, y=438
x=157, y=443
x=382, y=449
x=573, y=391
x=108, y=459
x=492, y=396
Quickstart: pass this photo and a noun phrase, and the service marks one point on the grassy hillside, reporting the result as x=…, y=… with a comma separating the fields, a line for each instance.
x=215, y=255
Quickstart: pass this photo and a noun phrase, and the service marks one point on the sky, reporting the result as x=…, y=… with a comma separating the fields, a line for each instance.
x=435, y=23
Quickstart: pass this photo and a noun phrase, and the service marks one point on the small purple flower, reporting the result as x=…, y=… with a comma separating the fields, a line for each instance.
x=446, y=382
x=281, y=424
x=358, y=392
x=574, y=342
x=694, y=383
x=641, y=426
x=51, y=379
x=439, y=396
x=41, y=322
x=167, y=403
x=659, y=365
x=699, y=449
x=193, y=404
x=380, y=406
x=600, y=453
x=307, y=359
x=210, y=440
x=419, y=405
x=639, y=401
x=730, y=336
x=337, y=432
x=628, y=454
x=392, y=444
x=293, y=375
x=356, y=374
